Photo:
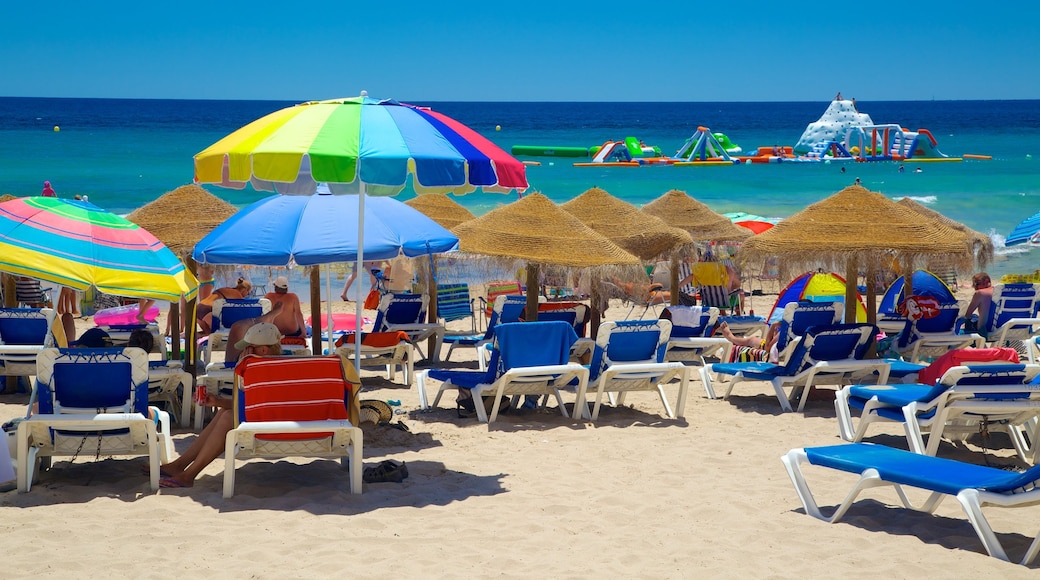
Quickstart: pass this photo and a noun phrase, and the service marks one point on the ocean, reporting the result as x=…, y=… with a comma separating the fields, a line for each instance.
x=124, y=153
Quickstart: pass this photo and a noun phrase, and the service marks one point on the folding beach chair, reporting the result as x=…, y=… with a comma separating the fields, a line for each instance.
x=91, y=402
x=932, y=337
x=983, y=385
x=974, y=486
x=825, y=352
x=529, y=358
x=454, y=303
x=227, y=312
x=407, y=313
x=293, y=407
x=496, y=289
x=630, y=356
x=24, y=333
x=1015, y=316
x=389, y=350
x=507, y=308
x=691, y=338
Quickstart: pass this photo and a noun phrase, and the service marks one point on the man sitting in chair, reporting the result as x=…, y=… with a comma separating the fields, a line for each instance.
x=290, y=319
x=261, y=339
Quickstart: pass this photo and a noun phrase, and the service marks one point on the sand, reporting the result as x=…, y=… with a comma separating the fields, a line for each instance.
x=533, y=495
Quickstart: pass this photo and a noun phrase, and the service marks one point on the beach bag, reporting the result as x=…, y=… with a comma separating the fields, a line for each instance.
x=372, y=300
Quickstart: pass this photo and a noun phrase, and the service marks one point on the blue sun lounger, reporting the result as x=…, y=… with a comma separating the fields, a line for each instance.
x=973, y=485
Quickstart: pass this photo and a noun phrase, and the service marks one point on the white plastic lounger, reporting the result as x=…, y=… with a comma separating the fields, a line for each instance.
x=973, y=485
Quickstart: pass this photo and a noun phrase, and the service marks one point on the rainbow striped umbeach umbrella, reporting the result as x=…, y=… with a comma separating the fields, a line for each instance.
x=358, y=144
x=78, y=244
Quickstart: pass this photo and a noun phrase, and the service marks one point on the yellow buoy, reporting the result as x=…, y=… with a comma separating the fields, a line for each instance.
x=57, y=128
x=498, y=127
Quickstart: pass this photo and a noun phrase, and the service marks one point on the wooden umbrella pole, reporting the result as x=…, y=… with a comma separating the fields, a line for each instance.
x=594, y=314
x=429, y=271
x=871, y=294
x=851, y=277
x=316, y=311
x=673, y=279
x=532, y=292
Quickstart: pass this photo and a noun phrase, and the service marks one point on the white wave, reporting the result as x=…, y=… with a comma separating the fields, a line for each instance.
x=922, y=199
x=1001, y=250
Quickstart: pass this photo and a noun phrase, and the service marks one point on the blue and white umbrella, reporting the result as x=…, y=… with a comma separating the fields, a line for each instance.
x=287, y=230
x=1026, y=232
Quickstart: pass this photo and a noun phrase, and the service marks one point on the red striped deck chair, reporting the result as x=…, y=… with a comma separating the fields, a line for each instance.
x=500, y=288
x=294, y=406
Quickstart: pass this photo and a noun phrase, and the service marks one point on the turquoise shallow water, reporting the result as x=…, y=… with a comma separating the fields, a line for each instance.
x=125, y=153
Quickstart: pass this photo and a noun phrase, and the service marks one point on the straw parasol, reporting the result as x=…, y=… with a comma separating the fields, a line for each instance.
x=639, y=233
x=9, y=197
x=679, y=210
x=447, y=212
x=981, y=244
x=180, y=218
x=857, y=226
x=537, y=231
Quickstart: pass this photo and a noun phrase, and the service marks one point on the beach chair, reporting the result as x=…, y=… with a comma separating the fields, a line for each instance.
x=1015, y=316
x=227, y=312
x=710, y=279
x=974, y=486
x=691, y=338
x=529, y=358
x=798, y=317
x=454, y=303
x=406, y=313
x=932, y=337
x=983, y=386
x=389, y=350
x=496, y=289
x=24, y=333
x=294, y=407
x=825, y=352
x=171, y=386
x=629, y=356
x=92, y=402
x=508, y=308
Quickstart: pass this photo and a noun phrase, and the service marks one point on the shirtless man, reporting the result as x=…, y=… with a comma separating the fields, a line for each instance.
x=290, y=319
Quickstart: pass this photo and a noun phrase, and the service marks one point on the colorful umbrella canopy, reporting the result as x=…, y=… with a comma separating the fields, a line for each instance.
x=358, y=144
x=1027, y=231
x=815, y=287
x=77, y=244
x=282, y=230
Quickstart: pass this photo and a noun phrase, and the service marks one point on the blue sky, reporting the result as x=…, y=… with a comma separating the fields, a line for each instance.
x=521, y=51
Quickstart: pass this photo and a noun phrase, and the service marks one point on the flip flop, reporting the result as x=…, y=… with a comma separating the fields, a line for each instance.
x=170, y=482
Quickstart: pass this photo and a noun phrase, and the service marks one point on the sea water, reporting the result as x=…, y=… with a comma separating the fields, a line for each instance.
x=124, y=153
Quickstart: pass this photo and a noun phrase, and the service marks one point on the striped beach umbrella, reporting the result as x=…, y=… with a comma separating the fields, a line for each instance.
x=77, y=244
x=358, y=144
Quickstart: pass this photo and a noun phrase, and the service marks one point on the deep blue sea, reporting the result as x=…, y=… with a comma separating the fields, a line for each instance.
x=124, y=153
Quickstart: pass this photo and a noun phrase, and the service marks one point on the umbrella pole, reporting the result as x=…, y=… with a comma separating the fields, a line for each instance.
x=328, y=309
x=532, y=292
x=359, y=268
x=316, y=311
x=429, y=270
x=673, y=279
x=851, y=278
x=871, y=294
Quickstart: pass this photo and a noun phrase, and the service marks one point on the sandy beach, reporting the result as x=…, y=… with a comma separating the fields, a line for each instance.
x=534, y=495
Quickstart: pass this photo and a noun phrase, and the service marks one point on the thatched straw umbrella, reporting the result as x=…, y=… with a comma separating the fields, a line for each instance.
x=857, y=226
x=536, y=231
x=981, y=244
x=180, y=218
x=447, y=212
x=677, y=209
x=9, y=197
x=640, y=234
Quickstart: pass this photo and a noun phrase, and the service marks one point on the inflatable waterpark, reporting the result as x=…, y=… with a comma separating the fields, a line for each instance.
x=702, y=148
x=843, y=132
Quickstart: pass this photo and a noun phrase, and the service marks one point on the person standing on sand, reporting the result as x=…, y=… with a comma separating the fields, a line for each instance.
x=290, y=318
x=261, y=339
x=48, y=191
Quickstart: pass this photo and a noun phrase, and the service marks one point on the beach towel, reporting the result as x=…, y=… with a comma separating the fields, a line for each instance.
x=960, y=356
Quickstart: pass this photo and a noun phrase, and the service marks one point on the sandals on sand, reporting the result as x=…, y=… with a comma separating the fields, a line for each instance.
x=389, y=470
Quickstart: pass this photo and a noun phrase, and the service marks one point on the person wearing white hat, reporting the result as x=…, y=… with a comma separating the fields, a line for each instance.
x=261, y=339
x=290, y=319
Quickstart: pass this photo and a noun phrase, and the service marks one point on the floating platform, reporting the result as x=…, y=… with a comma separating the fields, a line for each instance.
x=548, y=151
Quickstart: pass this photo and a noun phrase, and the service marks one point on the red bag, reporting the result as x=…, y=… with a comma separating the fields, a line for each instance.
x=372, y=300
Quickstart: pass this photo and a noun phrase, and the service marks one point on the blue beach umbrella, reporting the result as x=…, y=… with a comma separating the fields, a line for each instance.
x=1027, y=231
x=286, y=230
x=307, y=230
